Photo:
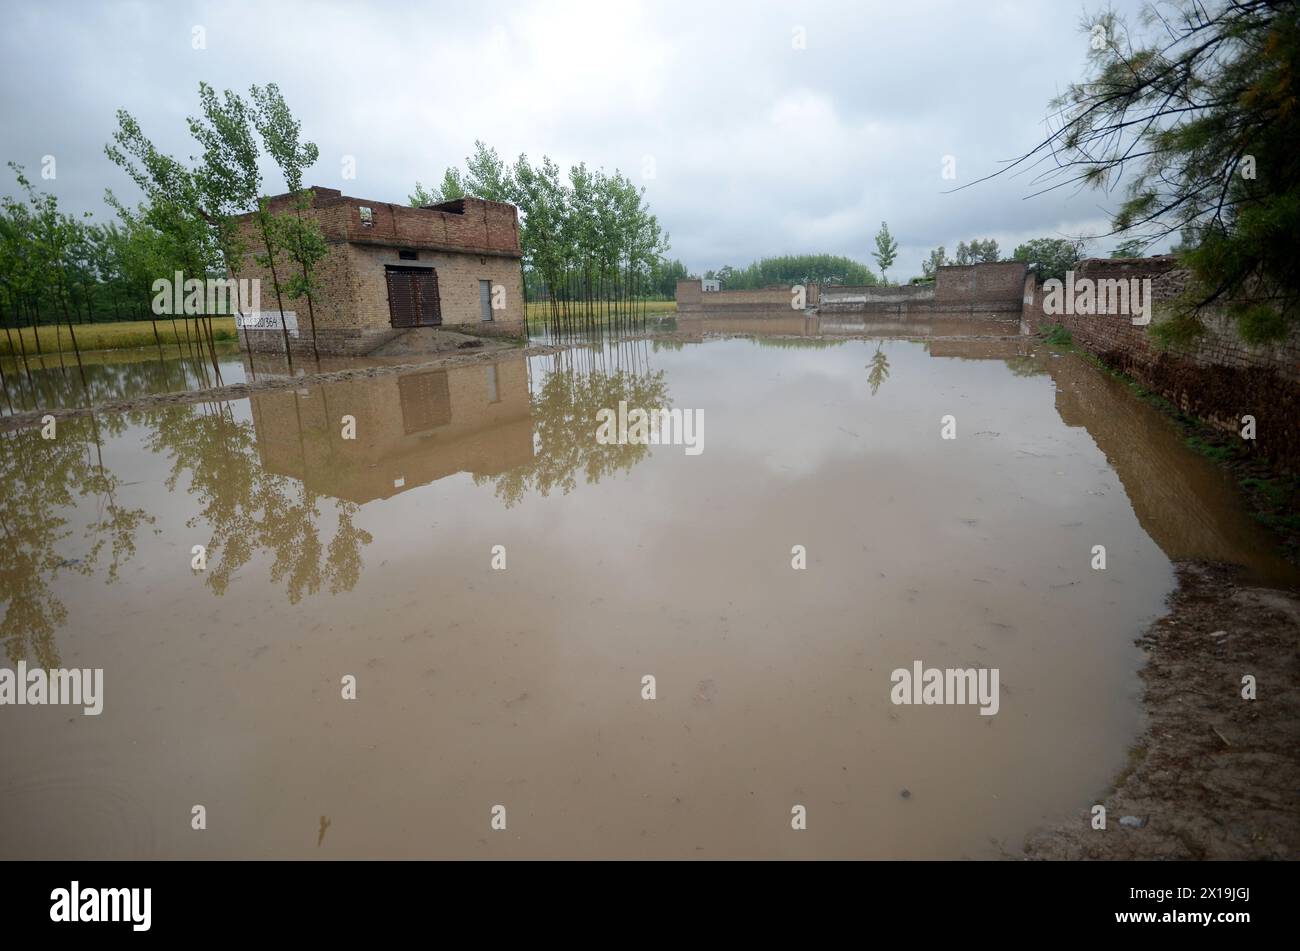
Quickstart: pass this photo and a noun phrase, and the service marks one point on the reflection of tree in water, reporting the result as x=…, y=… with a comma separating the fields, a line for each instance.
x=1026, y=365
x=564, y=419
x=125, y=377
x=40, y=481
x=879, y=369
x=250, y=508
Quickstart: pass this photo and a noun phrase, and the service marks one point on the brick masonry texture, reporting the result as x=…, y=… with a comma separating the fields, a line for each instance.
x=464, y=242
x=1219, y=379
x=774, y=300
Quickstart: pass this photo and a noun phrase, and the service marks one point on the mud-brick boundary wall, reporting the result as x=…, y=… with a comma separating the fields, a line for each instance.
x=777, y=300
x=1219, y=379
x=979, y=290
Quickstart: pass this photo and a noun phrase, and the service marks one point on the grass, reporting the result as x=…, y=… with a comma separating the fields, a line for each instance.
x=1276, y=502
x=1058, y=336
x=1211, y=451
x=117, y=335
x=131, y=334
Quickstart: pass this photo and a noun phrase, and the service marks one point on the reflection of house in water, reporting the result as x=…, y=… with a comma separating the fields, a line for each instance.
x=411, y=429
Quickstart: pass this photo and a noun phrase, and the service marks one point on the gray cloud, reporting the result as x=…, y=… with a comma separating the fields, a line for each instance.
x=758, y=147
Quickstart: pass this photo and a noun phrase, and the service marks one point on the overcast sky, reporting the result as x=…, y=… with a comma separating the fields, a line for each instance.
x=756, y=146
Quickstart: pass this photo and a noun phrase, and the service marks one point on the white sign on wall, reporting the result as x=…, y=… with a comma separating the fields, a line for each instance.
x=268, y=320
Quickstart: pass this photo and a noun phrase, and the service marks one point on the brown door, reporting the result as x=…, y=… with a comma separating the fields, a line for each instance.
x=426, y=401
x=413, y=297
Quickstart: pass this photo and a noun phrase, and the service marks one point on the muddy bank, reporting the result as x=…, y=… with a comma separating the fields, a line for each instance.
x=428, y=341
x=1213, y=776
x=236, y=391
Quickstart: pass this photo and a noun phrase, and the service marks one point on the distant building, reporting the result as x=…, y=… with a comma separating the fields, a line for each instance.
x=389, y=268
x=710, y=284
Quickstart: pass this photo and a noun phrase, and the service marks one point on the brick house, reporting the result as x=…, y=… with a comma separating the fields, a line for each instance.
x=391, y=267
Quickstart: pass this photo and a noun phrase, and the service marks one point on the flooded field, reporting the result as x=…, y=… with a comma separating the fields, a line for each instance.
x=373, y=558
x=54, y=381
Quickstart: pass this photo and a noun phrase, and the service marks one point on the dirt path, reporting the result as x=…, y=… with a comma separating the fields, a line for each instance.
x=234, y=391
x=1213, y=776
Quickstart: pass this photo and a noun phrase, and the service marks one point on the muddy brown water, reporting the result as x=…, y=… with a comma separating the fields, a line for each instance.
x=522, y=687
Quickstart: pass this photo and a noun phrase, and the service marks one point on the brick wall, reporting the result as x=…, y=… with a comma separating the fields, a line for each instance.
x=982, y=286
x=775, y=300
x=458, y=288
x=476, y=225
x=351, y=306
x=1218, y=379
x=895, y=303
x=984, y=291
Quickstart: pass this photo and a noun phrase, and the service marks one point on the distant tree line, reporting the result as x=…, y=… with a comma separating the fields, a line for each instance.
x=794, y=269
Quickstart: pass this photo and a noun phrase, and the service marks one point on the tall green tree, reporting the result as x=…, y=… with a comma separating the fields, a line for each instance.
x=298, y=234
x=451, y=188
x=591, y=245
x=977, y=252
x=51, y=237
x=886, y=250
x=937, y=259
x=1049, y=258
x=227, y=178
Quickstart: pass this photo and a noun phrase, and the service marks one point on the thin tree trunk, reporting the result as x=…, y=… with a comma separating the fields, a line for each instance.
x=311, y=311
x=35, y=317
x=153, y=319
x=75, y=349
x=22, y=345
x=275, y=281
x=58, y=344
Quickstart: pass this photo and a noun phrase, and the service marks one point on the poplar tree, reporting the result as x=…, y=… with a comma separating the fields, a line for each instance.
x=298, y=235
x=886, y=250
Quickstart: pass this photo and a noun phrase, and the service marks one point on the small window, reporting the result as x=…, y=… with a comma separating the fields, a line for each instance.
x=485, y=299
x=367, y=217
x=408, y=255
